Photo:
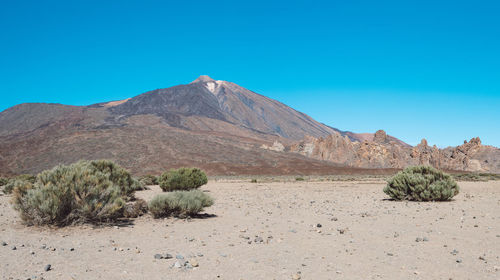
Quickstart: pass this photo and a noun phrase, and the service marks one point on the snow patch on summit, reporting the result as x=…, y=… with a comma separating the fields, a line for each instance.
x=210, y=86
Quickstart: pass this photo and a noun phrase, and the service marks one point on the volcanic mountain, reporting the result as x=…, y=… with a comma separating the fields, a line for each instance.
x=215, y=125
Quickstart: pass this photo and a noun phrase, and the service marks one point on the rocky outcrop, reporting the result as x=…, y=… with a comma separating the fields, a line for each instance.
x=381, y=152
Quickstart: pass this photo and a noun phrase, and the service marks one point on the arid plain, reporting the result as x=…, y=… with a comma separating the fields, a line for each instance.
x=274, y=229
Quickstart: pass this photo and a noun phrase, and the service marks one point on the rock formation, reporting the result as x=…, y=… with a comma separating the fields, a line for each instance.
x=381, y=152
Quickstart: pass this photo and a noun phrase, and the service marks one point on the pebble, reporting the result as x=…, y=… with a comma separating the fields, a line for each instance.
x=454, y=252
x=296, y=276
x=4, y=243
x=158, y=256
x=459, y=260
x=193, y=262
x=179, y=257
x=177, y=264
x=14, y=248
x=167, y=256
x=318, y=225
x=47, y=267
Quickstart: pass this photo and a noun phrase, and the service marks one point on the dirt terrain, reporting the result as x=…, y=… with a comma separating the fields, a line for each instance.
x=274, y=230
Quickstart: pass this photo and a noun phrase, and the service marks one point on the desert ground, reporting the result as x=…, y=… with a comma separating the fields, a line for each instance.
x=273, y=230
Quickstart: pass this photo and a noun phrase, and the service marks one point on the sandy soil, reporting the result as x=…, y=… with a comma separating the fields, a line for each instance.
x=362, y=236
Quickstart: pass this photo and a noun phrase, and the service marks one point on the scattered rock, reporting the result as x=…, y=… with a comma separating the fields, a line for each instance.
x=179, y=257
x=459, y=260
x=454, y=252
x=4, y=243
x=193, y=262
x=167, y=256
x=14, y=248
x=296, y=276
x=47, y=267
x=158, y=256
x=177, y=264
x=318, y=225
x=418, y=239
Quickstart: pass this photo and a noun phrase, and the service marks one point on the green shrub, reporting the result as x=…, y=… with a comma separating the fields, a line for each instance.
x=148, y=180
x=115, y=173
x=11, y=183
x=3, y=181
x=421, y=183
x=299, y=179
x=253, y=181
x=86, y=191
x=179, y=203
x=182, y=179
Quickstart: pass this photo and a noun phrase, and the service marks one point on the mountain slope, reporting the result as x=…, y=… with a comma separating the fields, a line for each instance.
x=224, y=101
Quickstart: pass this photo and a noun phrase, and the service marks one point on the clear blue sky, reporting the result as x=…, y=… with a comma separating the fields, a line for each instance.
x=414, y=68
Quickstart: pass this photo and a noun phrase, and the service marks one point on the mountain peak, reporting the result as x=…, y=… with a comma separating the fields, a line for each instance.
x=203, y=79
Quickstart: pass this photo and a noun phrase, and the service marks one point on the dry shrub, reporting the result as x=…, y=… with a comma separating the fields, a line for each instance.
x=421, y=183
x=182, y=179
x=86, y=191
x=179, y=203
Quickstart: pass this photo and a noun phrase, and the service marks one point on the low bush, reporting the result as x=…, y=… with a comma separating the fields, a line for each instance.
x=182, y=179
x=179, y=203
x=253, y=181
x=135, y=209
x=3, y=181
x=421, y=183
x=86, y=191
x=11, y=183
x=148, y=180
x=476, y=177
x=299, y=179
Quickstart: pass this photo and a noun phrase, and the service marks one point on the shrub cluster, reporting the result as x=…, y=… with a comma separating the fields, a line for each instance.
x=421, y=183
x=179, y=203
x=86, y=191
x=182, y=179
